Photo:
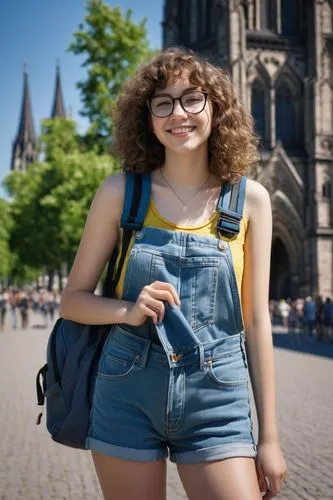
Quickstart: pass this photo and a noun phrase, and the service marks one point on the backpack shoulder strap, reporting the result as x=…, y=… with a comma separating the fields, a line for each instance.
x=136, y=202
x=230, y=207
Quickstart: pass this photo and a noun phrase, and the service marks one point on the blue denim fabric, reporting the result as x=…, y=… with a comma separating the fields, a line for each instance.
x=180, y=388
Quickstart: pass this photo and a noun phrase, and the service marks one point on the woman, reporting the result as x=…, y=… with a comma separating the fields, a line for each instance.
x=186, y=288
x=3, y=308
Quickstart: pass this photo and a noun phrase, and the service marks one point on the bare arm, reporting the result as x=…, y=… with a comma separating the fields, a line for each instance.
x=99, y=238
x=255, y=289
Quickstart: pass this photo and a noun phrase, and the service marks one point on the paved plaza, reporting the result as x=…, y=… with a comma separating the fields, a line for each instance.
x=32, y=467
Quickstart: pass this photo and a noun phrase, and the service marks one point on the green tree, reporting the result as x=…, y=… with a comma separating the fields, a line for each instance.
x=5, y=226
x=58, y=135
x=113, y=46
x=51, y=199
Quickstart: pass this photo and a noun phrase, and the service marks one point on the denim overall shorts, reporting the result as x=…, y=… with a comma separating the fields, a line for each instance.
x=180, y=388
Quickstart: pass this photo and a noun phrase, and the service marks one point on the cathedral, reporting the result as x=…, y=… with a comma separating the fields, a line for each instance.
x=25, y=149
x=279, y=56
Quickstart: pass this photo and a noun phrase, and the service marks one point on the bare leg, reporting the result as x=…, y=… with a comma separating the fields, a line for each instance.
x=229, y=479
x=126, y=480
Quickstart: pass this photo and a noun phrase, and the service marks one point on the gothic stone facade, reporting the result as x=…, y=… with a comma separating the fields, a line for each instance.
x=279, y=55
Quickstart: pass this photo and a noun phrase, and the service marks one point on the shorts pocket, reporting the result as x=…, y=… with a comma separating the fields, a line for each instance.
x=117, y=363
x=229, y=370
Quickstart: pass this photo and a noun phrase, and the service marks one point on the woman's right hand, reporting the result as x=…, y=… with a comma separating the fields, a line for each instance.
x=150, y=303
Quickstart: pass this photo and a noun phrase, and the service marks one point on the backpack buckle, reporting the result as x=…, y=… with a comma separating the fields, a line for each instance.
x=228, y=223
x=132, y=225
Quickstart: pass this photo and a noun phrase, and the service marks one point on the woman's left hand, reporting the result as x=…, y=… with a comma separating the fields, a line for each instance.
x=271, y=468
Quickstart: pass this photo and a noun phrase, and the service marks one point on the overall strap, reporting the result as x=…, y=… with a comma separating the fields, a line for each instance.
x=136, y=203
x=230, y=207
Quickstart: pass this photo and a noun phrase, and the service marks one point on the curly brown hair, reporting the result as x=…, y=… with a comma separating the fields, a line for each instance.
x=232, y=144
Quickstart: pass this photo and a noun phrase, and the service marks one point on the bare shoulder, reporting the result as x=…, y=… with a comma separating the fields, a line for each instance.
x=257, y=198
x=114, y=186
x=111, y=193
x=100, y=235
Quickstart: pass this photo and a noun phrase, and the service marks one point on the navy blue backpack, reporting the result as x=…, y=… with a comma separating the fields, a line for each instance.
x=67, y=379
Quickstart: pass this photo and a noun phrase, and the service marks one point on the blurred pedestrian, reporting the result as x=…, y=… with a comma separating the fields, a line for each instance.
x=13, y=304
x=43, y=306
x=328, y=319
x=320, y=322
x=4, y=297
x=23, y=306
x=283, y=309
x=293, y=323
x=309, y=316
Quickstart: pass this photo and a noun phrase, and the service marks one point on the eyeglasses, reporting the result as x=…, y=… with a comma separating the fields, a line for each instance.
x=192, y=102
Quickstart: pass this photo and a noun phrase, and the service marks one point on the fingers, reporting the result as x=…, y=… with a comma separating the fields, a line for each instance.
x=164, y=295
x=275, y=485
x=160, y=286
x=147, y=311
x=269, y=495
x=263, y=485
x=152, y=298
x=155, y=307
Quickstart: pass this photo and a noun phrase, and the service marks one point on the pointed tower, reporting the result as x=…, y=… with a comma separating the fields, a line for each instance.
x=25, y=144
x=279, y=54
x=58, y=108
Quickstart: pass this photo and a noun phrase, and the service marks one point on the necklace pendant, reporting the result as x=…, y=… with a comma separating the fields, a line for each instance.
x=184, y=208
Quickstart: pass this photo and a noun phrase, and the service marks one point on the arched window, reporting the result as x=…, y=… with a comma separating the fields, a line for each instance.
x=290, y=21
x=285, y=115
x=259, y=109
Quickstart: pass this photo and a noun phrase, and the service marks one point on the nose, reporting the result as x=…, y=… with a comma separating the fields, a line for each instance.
x=178, y=110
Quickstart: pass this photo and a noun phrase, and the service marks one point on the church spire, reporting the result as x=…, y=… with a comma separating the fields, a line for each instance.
x=26, y=131
x=24, y=145
x=58, y=108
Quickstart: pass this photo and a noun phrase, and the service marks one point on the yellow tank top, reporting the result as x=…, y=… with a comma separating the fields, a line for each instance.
x=154, y=219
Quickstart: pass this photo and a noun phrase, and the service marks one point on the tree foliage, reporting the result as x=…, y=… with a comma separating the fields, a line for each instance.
x=58, y=135
x=5, y=226
x=51, y=199
x=113, y=46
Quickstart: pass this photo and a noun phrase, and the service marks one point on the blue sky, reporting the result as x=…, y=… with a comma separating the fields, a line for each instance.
x=38, y=32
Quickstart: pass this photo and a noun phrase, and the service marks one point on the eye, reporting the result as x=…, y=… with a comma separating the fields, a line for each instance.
x=191, y=100
x=194, y=98
x=158, y=104
x=160, y=101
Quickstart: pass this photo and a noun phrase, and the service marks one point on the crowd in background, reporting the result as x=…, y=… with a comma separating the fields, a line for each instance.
x=310, y=317
x=18, y=304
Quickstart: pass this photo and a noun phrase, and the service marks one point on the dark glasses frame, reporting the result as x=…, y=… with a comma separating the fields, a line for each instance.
x=179, y=99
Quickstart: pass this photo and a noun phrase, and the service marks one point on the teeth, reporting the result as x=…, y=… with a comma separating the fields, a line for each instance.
x=181, y=130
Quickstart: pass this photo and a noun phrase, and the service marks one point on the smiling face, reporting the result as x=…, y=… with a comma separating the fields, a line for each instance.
x=182, y=132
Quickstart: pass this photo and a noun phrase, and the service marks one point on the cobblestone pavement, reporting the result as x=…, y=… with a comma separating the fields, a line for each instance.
x=32, y=467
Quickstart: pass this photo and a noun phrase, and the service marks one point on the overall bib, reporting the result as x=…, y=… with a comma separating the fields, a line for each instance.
x=179, y=388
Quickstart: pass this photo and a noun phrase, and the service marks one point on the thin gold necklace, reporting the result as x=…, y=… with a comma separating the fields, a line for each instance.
x=186, y=202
